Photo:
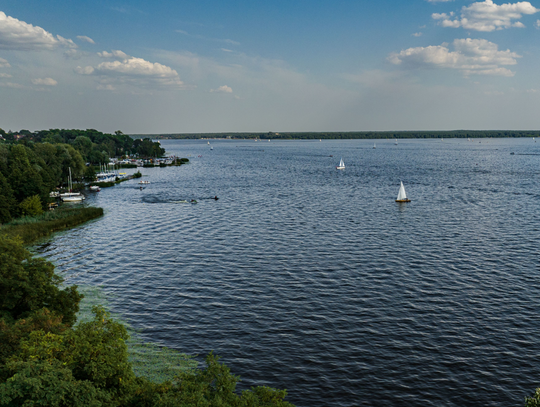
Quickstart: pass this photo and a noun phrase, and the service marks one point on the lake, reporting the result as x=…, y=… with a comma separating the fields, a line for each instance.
x=315, y=280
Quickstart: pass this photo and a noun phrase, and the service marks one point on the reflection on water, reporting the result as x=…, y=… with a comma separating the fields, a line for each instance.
x=315, y=280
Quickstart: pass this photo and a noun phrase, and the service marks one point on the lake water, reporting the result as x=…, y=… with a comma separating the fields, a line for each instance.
x=314, y=280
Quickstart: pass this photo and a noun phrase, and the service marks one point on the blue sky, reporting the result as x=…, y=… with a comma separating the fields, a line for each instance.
x=210, y=66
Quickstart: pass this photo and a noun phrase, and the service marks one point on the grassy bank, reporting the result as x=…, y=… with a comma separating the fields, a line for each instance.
x=30, y=229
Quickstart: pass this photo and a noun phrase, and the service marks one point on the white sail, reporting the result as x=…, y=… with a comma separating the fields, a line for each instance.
x=341, y=165
x=401, y=194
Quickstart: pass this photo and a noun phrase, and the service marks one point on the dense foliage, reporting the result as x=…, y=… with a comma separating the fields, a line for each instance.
x=94, y=146
x=350, y=135
x=48, y=360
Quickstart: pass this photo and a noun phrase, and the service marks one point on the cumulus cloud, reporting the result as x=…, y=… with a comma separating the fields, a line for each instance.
x=487, y=16
x=116, y=54
x=85, y=39
x=222, y=89
x=470, y=56
x=418, y=34
x=87, y=70
x=18, y=35
x=5, y=75
x=537, y=24
x=44, y=81
x=4, y=63
x=135, y=71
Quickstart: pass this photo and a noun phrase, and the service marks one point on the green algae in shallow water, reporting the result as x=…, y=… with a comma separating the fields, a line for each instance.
x=150, y=360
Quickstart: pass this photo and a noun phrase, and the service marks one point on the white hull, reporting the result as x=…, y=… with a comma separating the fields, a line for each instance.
x=72, y=198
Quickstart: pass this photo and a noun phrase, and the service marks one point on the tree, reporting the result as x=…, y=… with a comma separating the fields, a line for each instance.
x=28, y=284
x=31, y=206
x=23, y=178
x=533, y=401
x=7, y=201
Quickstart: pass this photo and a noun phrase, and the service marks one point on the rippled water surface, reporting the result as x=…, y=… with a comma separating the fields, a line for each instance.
x=312, y=279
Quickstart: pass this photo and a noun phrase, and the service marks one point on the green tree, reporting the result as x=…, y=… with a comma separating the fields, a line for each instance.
x=84, y=145
x=7, y=201
x=28, y=284
x=23, y=177
x=31, y=206
x=533, y=401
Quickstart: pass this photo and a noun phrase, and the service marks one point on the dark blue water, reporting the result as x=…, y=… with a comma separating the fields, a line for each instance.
x=312, y=279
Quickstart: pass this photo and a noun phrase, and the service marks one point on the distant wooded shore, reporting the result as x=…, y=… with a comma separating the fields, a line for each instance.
x=346, y=135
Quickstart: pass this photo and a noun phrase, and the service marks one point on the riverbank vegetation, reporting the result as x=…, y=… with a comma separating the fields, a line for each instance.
x=33, y=228
x=347, y=135
x=47, y=358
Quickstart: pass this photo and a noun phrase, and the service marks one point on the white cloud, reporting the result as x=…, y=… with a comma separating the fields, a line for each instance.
x=135, y=71
x=222, y=89
x=116, y=54
x=11, y=85
x=87, y=70
x=74, y=54
x=470, y=56
x=4, y=63
x=85, y=39
x=537, y=24
x=418, y=34
x=487, y=16
x=44, y=81
x=5, y=75
x=106, y=87
x=18, y=35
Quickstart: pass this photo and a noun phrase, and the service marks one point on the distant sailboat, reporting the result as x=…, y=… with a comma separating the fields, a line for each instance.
x=396, y=142
x=341, y=165
x=374, y=146
x=402, y=196
x=211, y=147
x=208, y=142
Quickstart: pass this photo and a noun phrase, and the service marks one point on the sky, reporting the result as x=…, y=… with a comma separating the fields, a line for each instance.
x=173, y=66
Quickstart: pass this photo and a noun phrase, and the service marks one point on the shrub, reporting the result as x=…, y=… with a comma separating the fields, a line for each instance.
x=31, y=206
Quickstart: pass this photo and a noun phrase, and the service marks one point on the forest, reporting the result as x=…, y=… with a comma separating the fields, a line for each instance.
x=348, y=135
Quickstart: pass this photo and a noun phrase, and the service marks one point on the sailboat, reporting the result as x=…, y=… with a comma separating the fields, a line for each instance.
x=341, y=165
x=374, y=145
x=396, y=142
x=71, y=196
x=402, y=196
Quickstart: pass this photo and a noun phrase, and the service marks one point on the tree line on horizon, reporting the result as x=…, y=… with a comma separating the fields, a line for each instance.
x=348, y=135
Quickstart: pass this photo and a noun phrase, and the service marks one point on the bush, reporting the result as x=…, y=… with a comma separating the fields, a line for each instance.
x=31, y=206
x=137, y=175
